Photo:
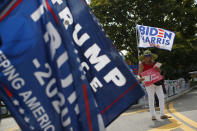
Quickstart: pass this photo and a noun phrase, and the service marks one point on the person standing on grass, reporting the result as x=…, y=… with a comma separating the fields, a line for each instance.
x=148, y=62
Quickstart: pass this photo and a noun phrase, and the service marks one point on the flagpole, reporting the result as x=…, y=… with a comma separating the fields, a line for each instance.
x=138, y=51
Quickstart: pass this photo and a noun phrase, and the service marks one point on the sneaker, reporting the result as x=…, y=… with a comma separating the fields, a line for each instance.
x=157, y=109
x=154, y=118
x=165, y=117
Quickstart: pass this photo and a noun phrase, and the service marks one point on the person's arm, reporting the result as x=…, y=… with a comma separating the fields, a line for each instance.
x=140, y=70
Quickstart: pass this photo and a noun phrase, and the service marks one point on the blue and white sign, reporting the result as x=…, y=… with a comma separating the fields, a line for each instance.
x=58, y=69
x=155, y=37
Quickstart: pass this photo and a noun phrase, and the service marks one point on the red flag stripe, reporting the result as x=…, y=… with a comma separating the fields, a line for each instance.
x=9, y=93
x=87, y=107
x=116, y=100
x=10, y=9
x=50, y=9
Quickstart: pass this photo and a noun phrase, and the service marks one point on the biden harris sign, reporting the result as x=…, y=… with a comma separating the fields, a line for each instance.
x=155, y=37
x=58, y=69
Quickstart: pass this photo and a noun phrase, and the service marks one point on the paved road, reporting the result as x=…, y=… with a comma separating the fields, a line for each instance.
x=9, y=124
x=183, y=111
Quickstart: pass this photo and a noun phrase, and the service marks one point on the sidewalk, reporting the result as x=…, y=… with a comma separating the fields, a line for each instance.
x=9, y=124
x=183, y=112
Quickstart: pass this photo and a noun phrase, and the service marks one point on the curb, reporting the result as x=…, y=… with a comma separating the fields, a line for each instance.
x=167, y=100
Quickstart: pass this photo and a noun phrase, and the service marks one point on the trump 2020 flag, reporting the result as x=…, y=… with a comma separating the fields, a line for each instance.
x=58, y=70
x=155, y=37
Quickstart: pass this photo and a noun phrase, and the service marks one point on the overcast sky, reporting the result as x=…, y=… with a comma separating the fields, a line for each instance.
x=88, y=1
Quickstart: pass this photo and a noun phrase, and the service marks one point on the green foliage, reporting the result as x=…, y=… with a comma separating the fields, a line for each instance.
x=119, y=19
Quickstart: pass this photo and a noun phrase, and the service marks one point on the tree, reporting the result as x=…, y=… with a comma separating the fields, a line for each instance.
x=119, y=19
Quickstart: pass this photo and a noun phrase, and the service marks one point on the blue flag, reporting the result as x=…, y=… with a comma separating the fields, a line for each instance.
x=59, y=70
x=134, y=68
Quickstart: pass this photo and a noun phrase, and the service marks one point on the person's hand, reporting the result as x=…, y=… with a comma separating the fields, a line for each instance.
x=141, y=79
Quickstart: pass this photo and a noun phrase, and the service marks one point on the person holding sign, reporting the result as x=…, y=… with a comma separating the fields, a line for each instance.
x=149, y=73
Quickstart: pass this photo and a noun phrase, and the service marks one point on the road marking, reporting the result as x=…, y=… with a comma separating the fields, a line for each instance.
x=135, y=112
x=176, y=124
x=182, y=117
x=13, y=129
